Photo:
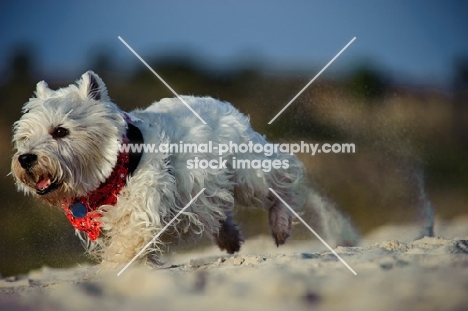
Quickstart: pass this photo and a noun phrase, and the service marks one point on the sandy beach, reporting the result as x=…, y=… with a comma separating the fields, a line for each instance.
x=394, y=272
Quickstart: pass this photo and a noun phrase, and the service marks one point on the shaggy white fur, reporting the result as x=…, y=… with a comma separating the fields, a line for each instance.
x=67, y=143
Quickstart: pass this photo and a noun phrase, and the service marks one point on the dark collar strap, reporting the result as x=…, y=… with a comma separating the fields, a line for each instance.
x=135, y=137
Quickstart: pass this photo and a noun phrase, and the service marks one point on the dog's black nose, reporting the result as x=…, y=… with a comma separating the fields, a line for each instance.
x=27, y=160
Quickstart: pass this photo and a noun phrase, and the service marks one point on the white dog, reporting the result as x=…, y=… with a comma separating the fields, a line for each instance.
x=69, y=153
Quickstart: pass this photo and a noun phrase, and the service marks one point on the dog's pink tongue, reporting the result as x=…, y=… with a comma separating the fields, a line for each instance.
x=43, y=184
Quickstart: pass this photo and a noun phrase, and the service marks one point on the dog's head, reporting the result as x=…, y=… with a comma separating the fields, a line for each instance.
x=67, y=141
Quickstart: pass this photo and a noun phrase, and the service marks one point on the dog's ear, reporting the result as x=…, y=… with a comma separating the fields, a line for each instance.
x=42, y=90
x=92, y=86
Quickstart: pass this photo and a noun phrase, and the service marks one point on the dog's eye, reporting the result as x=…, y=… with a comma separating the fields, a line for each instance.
x=22, y=140
x=59, y=132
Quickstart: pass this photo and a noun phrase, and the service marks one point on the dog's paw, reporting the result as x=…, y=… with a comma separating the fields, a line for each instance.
x=280, y=223
x=106, y=266
x=229, y=237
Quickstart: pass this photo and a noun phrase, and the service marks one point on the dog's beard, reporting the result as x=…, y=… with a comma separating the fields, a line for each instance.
x=45, y=179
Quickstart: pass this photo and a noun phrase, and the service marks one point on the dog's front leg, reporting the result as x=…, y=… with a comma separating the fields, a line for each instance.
x=124, y=238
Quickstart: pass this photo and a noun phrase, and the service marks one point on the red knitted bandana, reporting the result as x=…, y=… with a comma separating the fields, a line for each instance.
x=82, y=211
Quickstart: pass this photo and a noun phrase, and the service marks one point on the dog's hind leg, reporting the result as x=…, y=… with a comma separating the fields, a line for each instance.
x=229, y=237
x=280, y=222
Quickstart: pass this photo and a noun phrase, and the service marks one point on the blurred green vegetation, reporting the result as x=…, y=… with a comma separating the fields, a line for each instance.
x=395, y=128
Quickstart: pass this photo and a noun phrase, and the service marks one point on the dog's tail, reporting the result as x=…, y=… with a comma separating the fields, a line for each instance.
x=323, y=217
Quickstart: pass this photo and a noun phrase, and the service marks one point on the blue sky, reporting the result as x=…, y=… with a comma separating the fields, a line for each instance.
x=416, y=40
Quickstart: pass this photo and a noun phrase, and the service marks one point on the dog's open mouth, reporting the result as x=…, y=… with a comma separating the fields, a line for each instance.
x=45, y=185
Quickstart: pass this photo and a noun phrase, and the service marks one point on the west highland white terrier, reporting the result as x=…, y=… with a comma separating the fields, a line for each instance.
x=69, y=153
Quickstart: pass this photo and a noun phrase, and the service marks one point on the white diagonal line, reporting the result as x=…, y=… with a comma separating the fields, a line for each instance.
x=162, y=80
x=159, y=233
x=315, y=233
x=316, y=76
